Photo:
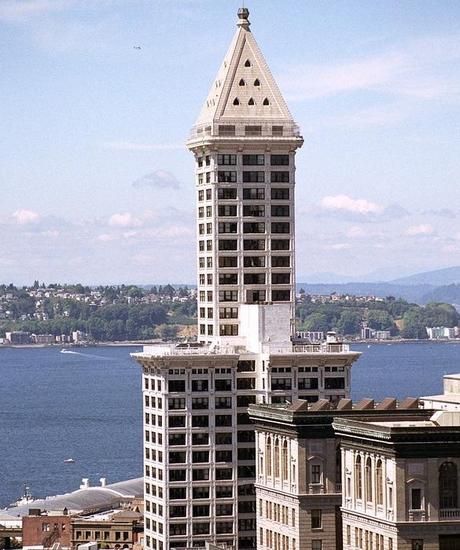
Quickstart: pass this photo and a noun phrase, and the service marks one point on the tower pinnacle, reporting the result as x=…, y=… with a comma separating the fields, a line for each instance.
x=243, y=18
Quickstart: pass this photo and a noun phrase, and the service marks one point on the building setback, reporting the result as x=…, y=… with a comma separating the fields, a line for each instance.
x=199, y=450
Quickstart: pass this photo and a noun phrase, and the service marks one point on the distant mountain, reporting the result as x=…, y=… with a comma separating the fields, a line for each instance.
x=449, y=294
x=327, y=278
x=439, y=277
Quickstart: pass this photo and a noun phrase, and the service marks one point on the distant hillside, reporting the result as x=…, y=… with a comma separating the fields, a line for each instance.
x=415, y=293
x=449, y=294
x=439, y=277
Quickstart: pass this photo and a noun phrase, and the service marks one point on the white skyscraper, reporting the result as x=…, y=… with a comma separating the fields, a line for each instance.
x=198, y=441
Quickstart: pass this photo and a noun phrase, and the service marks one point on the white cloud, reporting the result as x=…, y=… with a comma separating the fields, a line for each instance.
x=20, y=10
x=132, y=146
x=355, y=232
x=125, y=219
x=25, y=216
x=106, y=237
x=422, y=229
x=348, y=204
x=339, y=246
x=159, y=179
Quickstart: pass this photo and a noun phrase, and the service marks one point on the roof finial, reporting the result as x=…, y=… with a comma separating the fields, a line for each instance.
x=243, y=18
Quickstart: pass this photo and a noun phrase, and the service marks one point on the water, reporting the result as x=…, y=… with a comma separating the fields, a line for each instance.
x=87, y=406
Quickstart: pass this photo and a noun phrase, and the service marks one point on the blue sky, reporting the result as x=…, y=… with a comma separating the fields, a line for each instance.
x=96, y=184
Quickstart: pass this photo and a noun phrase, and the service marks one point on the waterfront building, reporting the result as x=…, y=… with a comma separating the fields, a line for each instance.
x=199, y=450
x=449, y=400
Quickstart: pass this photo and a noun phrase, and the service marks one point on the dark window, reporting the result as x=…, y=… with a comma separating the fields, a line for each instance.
x=280, y=177
x=224, y=509
x=279, y=160
x=177, y=511
x=176, y=439
x=228, y=278
x=224, y=438
x=223, y=385
x=201, y=492
x=200, y=439
x=228, y=295
x=281, y=261
x=228, y=244
x=224, y=473
x=280, y=193
x=253, y=177
x=281, y=278
x=228, y=261
x=177, y=475
x=280, y=211
x=242, y=418
x=254, y=210
x=246, y=366
x=223, y=420
x=177, y=457
x=200, y=403
x=224, y=491
x=246, y=436
x=224, y=456
x=254, y=227
x=280, y=244
x=254, y=261
x=228, y=313
x=448, y=485
x=228, y=227
x=176, y=421
x=252, y=130
x=200, y=528
x=200, y=475
x=416, y=499
x=200, y=421
x=307, y=383
x=254, y=193
x=246, y=383
x=176, y=385
x=227, y=210
x=253, y=160
x=226, y=159
x=281, y=227
x=334, y=383
x=201, y=510
x=177, y=493
x=227, y=193
x=277, y=131
x=246, y=507
x=254, y=244
x=178, y=529
x=228, y=330
x=226, y=527
x=316, y=519
x=223, y=402
x=246, y=471
x=226, y=130
x=246, y=454
x=245, y=400
x=254, y=278
x=226, y=176
x=281, y=295
x=200, y=385
x=176, y=403
x=281, y=383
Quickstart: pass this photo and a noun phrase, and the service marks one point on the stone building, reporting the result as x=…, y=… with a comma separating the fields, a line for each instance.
x=198, y=440
x=357, y=476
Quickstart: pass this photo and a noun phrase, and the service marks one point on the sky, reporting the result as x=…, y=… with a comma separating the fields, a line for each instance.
x=97, y=186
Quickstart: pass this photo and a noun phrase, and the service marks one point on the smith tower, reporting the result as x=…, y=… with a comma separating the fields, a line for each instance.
x=199, y=450
x=244, y=143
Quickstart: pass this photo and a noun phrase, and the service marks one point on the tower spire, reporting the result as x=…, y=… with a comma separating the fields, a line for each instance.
x=243, y=18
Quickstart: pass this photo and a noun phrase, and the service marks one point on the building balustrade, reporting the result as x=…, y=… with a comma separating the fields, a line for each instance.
x=417, y=515
x=449, y=513
x=316, y=488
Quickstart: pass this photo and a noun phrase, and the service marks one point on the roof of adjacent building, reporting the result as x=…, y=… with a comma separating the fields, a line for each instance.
x=89, y=498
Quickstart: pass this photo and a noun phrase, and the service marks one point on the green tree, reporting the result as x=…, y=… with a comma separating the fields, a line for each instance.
x=316, y=322
x=380, y=320
x=349, y=322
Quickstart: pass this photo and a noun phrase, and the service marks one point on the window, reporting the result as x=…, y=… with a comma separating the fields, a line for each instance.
x=223, y=402
x=200, y=510
x=200, y=385
x=176, y=421
x=416, y=498
x=228, y=261
x=200, y=438
x=254, y=244
x=281, y=295
x=253, y=227
x=379, y=482
x=279, y=193
x=254, y=210
x=280, y=244
x=252, y=193
x=247, y=63
x=200, y=492
x=176, y=385
x=226, y=177
x=223, y=420
x=236, y=101
x=448, y=497
x=315, y=472
x=228, y=278
x=228, y=313
x=226, y=130
x=253, y=160
x=279, y=211
x=227, y=210
x=268, y=456
x=228, y=244
x=316, y=544
x=281, y=261
x=176, y=439
x=277, y=130
x=368, y=479
x=316, y=519
x=242, y=82
x=358, y=478
x=229, y=330
x=200, y=421
x=228, y=295
x=223, y=385
x=177, y=457
x=254, y=261
x=226, y=159
x=227, y=193
x=224, y=456
x=178, y=529
x=245, y=401
x=279, y=177
x=224, y=438
x=224, y=491
x=224, y=473
x=266, y=102
x=246, y=454
x=200, y=403
x=224, y=509
x=177, y=475
x=281, y=279
x=177, y=511
x=279, y=160
x=246, y=383
x=228, y=227
x=254, y=278
x=176, y=403
x=281, y=227
x=284, y=461
x=417, y=544
x=334, y=383
x=252, y=177
x=200, y=475
x=256, y=82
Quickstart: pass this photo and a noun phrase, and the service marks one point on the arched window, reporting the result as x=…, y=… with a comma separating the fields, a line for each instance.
x=276, y=458
x=242, y=82
x=268, y=456
x=358, y=478
x=368, y=480
x=448, y=485
x=251, y=102
x=266, y=102
x=256, y=82
x=379, y=481
x=236, y=101
x=284, y=462
x=247, y=63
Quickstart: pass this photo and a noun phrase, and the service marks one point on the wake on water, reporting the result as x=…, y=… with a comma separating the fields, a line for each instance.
x=88, y=355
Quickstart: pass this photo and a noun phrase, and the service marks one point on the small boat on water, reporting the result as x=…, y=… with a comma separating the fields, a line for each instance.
x=25, y=499
x=66, y=351
x=69, y=461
